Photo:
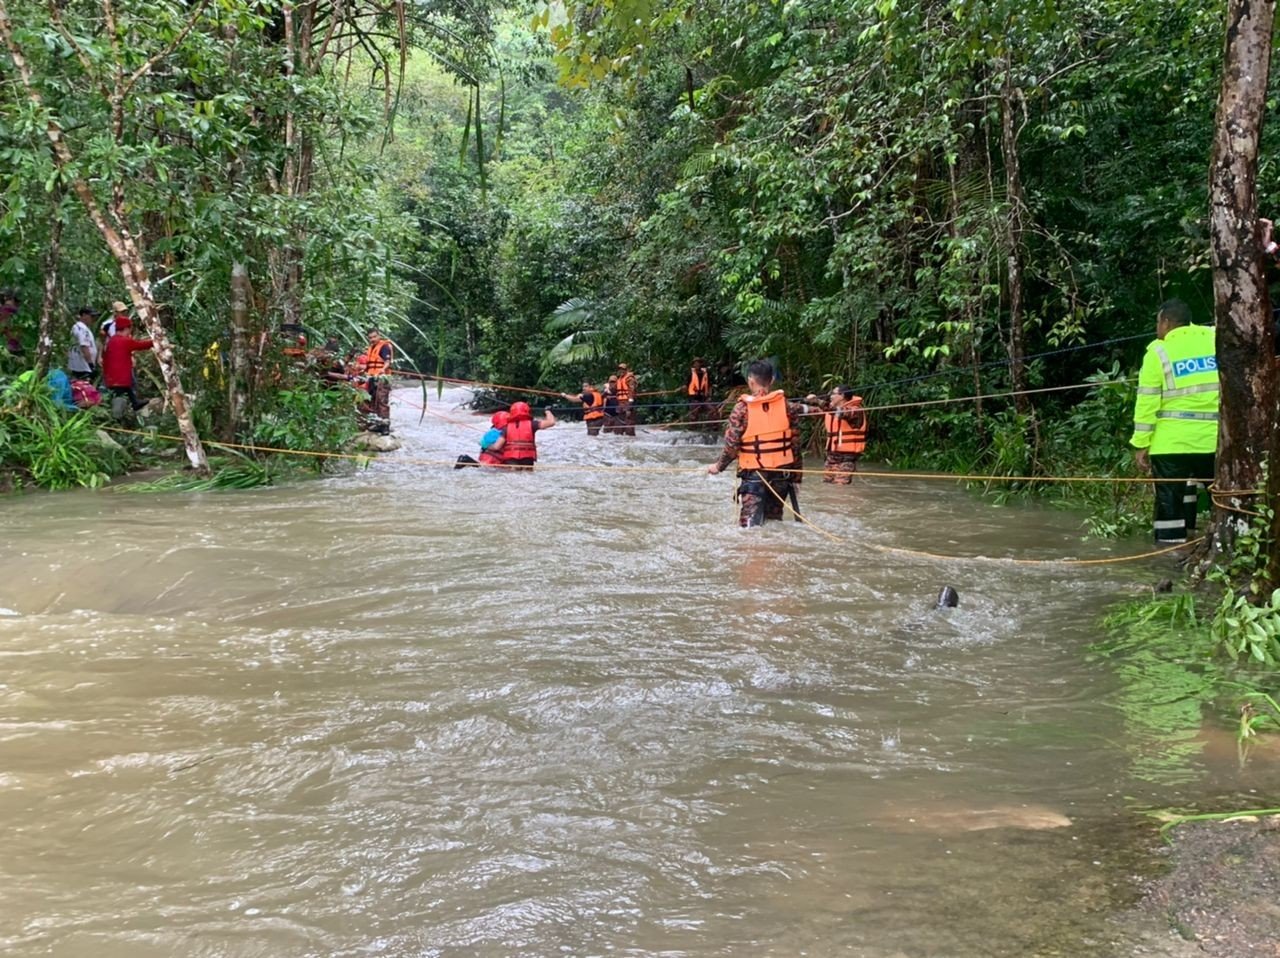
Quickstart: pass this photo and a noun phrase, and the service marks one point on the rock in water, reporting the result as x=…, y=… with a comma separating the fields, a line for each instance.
x=948, y=820
x=948, y=598
x=372, y=442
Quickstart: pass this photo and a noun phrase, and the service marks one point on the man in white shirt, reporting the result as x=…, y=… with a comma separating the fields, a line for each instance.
x=82, y=357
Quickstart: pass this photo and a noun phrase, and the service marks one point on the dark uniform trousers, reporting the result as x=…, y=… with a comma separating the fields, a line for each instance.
x=1177, y=502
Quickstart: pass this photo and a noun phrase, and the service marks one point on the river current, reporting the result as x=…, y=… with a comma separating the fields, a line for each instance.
x=408, y=711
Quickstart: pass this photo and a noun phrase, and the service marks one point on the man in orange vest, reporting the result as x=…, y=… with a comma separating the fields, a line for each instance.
x=626, y=399
x=699, y=391
x=592, y=406
x=375, y=365
x=846, y=426
x=762, y=435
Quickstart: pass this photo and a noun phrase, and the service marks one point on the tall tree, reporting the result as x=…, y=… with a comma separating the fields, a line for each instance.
x=1245, y=340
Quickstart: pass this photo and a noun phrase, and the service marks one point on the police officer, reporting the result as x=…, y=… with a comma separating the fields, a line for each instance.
x=1175, y=418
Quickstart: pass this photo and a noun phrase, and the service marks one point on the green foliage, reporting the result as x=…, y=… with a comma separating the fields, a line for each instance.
x=1250, y=630
x=42, y=443
x=246, y=474
x=310, y=417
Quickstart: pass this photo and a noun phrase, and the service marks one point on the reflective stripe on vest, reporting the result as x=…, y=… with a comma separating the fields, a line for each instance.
x=374, y=364
x=519, y=442
x=768, y=441
x=594, y=409
x=844, y=436
x=1179, y=414
x=698, y=383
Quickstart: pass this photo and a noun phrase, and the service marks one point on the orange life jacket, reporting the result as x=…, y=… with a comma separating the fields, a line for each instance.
x=699, y=384
x=769, y=441
x=626, y=387
x=519, y=442
x=844, y=436
x=595, y=409
x=374, y=364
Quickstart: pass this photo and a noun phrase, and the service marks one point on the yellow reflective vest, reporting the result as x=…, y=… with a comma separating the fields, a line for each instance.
x=1177, y=407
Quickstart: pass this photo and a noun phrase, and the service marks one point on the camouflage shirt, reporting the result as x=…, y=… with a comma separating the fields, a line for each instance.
x=738, y=426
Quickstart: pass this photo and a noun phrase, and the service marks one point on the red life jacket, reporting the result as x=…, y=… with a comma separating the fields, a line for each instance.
x=518, y=441
x=490, y=458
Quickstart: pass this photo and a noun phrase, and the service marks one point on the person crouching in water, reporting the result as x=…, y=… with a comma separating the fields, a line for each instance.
x=763, y=437
x=490, y=444
x=519, y=448
x=846, y=423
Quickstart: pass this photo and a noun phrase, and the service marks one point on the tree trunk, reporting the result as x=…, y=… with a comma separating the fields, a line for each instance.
x=1245, y=341
x=238, y=395
x=49, y=303
x=124, y=248
x=1010, y=100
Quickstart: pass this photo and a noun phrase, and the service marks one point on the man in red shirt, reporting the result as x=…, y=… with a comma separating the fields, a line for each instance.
x=117, y=362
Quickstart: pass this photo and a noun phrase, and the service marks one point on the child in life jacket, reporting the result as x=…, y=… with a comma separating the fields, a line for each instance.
x=490, y=443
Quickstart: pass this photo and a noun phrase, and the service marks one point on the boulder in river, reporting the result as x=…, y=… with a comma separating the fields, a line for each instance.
x=372, y=442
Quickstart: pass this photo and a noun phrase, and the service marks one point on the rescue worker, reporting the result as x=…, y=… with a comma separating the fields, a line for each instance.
x=1175, y=418
x=519, y=448
x=699, y=390
x=375, y=365
x=592, y=406
x=611, y=406
x=762, y=435
x=626, y=400
x=846, y=428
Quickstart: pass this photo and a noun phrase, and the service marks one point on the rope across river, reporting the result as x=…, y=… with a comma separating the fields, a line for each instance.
x=364, y=458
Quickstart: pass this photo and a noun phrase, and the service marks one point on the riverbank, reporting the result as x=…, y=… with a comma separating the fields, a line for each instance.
x=1222, y=891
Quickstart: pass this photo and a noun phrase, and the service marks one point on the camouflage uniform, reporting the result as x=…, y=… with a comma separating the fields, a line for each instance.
x=839, y=467
x=757, y=503
x=379, y=419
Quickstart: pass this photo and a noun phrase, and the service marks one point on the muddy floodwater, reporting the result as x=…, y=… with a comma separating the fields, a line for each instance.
x=409, y=711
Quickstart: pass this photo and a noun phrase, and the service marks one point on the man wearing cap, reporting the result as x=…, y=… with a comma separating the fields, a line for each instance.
x=626, y=400
x=107, y=328
x=117, y=361
x=846, y=426
x=82, y=357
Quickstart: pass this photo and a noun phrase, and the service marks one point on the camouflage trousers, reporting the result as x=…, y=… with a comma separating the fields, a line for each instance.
x=840, y=467
x=379, y=415
x=626, y=418
x=759, y=502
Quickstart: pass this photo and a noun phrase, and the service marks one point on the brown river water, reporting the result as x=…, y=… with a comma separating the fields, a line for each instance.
x=409, y=711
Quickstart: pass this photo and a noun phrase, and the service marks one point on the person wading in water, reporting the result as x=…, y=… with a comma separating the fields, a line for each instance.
x=762, y=436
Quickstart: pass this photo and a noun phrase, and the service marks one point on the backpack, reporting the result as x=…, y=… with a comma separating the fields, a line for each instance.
x=84, y=394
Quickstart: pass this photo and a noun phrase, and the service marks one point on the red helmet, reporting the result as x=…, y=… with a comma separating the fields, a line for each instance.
x=499, y=419
x=520, y=410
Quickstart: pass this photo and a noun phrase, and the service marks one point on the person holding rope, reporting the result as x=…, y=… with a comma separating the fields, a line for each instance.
x=626, y=401
x=846, y=426
x=762, y=435
x=699, y=391
x=519, y=447
x=592, y=406
x=1175, y=418
x=375, y=365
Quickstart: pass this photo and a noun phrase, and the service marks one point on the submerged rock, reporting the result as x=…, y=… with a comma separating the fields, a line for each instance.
x=948, y=820
x=372, y=442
